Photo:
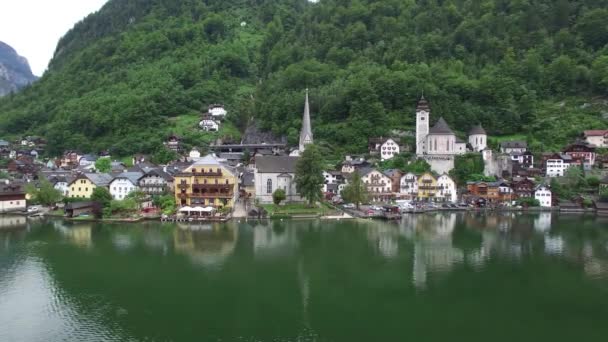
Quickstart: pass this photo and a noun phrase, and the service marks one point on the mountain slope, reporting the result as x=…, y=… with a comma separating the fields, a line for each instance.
x=15, y=72
x=136, y=70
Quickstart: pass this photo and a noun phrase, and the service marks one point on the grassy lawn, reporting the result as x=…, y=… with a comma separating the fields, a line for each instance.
x=499, y=139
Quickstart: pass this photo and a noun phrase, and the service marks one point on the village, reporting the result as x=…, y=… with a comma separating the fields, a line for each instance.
x=242, y=180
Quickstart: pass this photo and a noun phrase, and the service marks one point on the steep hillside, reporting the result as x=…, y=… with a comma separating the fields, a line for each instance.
x=128, y=75
x=15, y=72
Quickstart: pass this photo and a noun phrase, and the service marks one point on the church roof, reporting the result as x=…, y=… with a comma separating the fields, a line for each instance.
x=306, y=127
x=441, y=127
x=477, y=130
x=422, y=104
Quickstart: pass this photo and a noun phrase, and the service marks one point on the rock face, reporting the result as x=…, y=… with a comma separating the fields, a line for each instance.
x=15, y=72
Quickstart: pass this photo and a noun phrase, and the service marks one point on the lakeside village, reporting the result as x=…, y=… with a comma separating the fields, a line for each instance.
x=244, y=180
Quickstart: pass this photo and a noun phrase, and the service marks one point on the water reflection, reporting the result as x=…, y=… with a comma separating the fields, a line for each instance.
x=273, y=238
x=208, y=247
x=12, y=222
x=79, y=234
x=433, y=249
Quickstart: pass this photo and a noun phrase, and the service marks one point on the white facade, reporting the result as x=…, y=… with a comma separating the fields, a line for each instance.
x=330, y=178
x=62, y=187
x=409, y=184
x=478, y=141
x=267, y=183
x=598, y=138
x=447, y=188
x=153, y=184
x=377, y=182
x=422, y=128
x=209, y=125
x=440, y=144
x=217, y=111
x=543, y=195
x=194, y=154
x=121, y=187
x=556, y=167
x=461, y=148
x=389, y=149
x=12, y=205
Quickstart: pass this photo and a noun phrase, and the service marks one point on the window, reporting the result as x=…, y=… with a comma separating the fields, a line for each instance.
x=269, y=186
x=79, y=189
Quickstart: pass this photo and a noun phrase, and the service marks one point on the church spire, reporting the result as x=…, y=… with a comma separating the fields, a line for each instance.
x=306, y=132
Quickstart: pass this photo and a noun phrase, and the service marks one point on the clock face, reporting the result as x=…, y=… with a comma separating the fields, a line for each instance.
x=423, y=112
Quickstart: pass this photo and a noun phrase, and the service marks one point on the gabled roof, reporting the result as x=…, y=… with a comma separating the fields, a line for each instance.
x=441, y=127
x=248, y=179
x=477, y=130
x=276, y=164
x=514, y=144
x=595, y=132
x=99, y=179
x=392, y=172
x=133, y=177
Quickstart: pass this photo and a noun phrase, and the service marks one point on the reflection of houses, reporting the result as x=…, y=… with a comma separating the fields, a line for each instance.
x=385, y=239
x=542, y=223
x=274, y=239
x=78, y=234
x=433, y=250
x=208, y=247
x=12, y=222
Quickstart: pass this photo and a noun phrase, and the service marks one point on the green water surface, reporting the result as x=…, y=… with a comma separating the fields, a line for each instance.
x=430, y=277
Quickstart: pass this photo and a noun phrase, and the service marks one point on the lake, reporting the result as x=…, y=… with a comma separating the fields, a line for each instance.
x=430, y=277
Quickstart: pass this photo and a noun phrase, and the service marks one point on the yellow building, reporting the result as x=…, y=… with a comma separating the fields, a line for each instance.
x=427, y=186
x=206, y=183
x=83, y=185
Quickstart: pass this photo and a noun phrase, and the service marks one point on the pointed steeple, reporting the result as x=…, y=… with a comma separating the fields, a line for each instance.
x=306, y=132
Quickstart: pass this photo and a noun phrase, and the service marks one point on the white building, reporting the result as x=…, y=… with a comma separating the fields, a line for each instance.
x=543, y=194
x=87, y=160
x=209, y=125
x=557, y=164
x=597, y=137
x=217, y=111
x=12, y=197
x=409, y=185
x=513, y=147
x=446, y=188
x=61, y=184
x=389, y=149
x=478, y=138
x=438, y=145
x=194, y=154
x=124, y=184
x=275, y=172
x=379, y=186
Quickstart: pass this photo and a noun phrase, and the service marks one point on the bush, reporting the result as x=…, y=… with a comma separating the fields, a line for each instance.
x=278, y=196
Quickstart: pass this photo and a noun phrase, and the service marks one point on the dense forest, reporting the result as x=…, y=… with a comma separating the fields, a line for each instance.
x=137, y=70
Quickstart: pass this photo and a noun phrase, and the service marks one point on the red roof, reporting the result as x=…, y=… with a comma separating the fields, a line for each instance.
x=595, y=132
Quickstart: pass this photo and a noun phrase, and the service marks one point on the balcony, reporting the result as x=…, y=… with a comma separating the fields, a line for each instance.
x=213, y=195
x=225, y=187
x=201, y=173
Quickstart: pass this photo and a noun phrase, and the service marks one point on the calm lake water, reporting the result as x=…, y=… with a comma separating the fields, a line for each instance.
x=432, y=277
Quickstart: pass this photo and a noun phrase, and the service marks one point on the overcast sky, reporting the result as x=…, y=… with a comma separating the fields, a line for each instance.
x=33, y=27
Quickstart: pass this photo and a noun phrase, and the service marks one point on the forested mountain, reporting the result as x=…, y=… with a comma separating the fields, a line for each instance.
x=15, y=72
x=128, y=75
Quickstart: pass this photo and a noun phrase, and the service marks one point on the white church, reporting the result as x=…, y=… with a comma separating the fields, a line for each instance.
x=438, y=144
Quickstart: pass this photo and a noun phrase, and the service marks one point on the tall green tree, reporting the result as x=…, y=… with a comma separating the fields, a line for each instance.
x=103, y=165
x=45, y=194
x=309, y=174
x=102, y=196
x=356, y=191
